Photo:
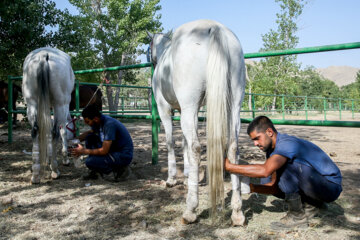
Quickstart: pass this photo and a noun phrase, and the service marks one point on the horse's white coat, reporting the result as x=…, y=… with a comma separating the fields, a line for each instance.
x=202, y=63
x=48, y=80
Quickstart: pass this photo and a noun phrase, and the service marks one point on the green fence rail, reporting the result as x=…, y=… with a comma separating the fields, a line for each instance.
x=155, y=117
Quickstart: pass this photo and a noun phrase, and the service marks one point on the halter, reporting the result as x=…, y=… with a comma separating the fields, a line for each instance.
x=73, y=120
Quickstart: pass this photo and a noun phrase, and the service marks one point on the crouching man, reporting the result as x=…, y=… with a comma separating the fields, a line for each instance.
x=295, y=169
x=108, y=144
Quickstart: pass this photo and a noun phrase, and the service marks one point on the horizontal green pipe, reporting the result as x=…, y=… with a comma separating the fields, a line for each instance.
x=119, y=112
x=113, y=85
x=248, y=120
x=311, y=122
x=275, y=121
x=334, y=47
x=326, y=48
x=131, y=116
x=142, y=65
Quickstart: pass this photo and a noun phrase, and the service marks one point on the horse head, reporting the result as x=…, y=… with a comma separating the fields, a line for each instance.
x=159, y=42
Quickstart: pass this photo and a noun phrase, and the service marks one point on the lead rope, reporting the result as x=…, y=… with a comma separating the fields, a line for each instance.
x=100, y=86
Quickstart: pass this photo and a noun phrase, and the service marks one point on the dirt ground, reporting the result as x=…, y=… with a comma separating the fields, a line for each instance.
x=143, y=208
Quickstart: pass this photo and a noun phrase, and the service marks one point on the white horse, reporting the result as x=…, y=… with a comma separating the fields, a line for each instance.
x=48, y=81
x=202, y=63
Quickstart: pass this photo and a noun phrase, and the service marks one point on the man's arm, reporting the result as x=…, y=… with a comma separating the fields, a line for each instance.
x=272, y=164
x=80, y=150
x=267, y=188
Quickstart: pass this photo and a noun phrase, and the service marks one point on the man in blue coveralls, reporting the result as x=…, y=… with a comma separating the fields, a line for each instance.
x=108, y=144
x=295, y=169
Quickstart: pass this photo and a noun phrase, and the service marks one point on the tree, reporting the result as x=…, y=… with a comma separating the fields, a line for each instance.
x=24, y=26
x=279, y=72
x=115, y=30
x=352, y=91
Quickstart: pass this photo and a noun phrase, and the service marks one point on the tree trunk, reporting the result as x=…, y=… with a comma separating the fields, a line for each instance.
x=250, y=100
x=273, y=106
x=114, y=100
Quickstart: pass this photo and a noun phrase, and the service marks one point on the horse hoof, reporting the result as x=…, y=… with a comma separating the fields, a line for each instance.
x=35, y=180
x=66, y=162
x=55, y=175
x=170, y=183
x=188, y=218
x=237, y=219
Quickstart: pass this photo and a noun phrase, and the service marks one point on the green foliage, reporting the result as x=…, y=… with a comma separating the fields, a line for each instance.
x=352, y=91
x=115, y=31
x=281, y=70
x=24, y=26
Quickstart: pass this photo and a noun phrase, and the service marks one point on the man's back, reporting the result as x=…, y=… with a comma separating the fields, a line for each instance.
x=115, y=131
x=305, y=152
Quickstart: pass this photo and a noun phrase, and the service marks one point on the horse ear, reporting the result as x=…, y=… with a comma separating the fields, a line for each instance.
x=169, y=34
x=150, y=35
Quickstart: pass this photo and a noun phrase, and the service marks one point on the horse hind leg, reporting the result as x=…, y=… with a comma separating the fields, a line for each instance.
x=36, y=167
x=189, y=127
x=64, y=149
x=55, y=173
x=237, y=216
x=165, y=115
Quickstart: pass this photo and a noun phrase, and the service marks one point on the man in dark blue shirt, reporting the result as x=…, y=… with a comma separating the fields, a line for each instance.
x=108, y=144
x=295, y=169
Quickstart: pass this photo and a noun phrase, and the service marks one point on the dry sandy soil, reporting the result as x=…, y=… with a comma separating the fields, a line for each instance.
x=143, y=208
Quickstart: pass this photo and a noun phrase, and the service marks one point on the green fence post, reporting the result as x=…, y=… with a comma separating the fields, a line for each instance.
x=253, y=105
x=154, y=126
x=340, y=108
x=352, y=108
x=324, y=108
x=283, y=107
x=122, y=105
x=10, y=109
x=306, y=108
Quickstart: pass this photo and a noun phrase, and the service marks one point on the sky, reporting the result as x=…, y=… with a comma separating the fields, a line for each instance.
x=323, y=22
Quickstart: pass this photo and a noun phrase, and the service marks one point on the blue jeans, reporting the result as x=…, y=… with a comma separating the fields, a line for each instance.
x=312, y=186
x=104, y=164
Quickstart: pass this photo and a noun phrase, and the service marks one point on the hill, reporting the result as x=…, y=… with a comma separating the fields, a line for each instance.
x=341, y=75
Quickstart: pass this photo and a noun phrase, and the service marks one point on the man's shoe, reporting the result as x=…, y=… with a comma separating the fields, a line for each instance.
x=312, y=211
x=92, y=175
x=122, y=173
x=295, y=216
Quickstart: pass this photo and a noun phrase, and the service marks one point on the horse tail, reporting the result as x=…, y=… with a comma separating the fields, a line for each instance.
x=43, y=118
x=218, y=100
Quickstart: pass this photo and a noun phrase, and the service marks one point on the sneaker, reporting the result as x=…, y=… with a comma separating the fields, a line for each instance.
x=312, y=211
x=122, y=173
x=295, y=217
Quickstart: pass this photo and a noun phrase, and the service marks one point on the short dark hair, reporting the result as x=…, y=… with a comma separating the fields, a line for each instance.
x=91, y=112
x=260, y=124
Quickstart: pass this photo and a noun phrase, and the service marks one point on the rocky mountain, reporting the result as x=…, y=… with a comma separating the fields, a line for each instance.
x=341, y=75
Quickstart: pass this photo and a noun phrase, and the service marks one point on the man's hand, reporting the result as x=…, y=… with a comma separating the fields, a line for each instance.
x=76, y=152
x=227, y=164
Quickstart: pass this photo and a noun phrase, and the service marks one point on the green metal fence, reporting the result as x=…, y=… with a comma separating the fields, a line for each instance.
x=305, y=104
